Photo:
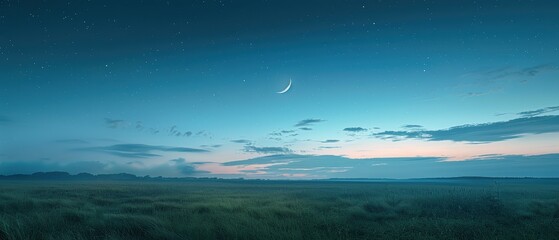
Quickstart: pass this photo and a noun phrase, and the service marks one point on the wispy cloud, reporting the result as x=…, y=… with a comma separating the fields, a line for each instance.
x=114, y=123
x=265, y=160
x=133, y=154
x=526, y=72
x=355, y=129
x=480, y=133
x=283, y=133
x=141, y=127
x=267, y=150
x=211, y=146
x=173, y=131
x=200, y=163
x=140, y=150
x=484, y=82
x=328, y=147
x=305, y=128
x=308, y=122
x=242, y=141
x=538, y=111
x=412, y=126
x=511, y=72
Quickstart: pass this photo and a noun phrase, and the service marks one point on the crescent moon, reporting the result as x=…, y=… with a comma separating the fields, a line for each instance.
x=286, y=89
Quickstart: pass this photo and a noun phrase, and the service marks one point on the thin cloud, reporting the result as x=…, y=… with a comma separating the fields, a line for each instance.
x=328, y=147
x=481, y=133
x=267, y=150
x=141, y=127
x=200, y=163
x=475, y=94
x=140, y=150
x=308, y=122
x=411, y=126
x=174, y=131
x=511, y=72
x=211, y=146
x=330, y=141
x=306, y=128
x=496, y=80
x=133, y=154
x=355, y=129
x=526, y=72
x=265, y=160
x=538, y=111
x=242, y=141
x=114, y=123
x=283, y=133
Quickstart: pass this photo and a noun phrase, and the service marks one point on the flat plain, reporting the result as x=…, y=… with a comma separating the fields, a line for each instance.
x=257, y=209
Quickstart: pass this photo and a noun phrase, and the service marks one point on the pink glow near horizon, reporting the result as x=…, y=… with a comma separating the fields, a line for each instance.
x=457, y=151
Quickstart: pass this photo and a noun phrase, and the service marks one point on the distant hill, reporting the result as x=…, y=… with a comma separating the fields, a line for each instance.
x=63, y=176
x=80, y=176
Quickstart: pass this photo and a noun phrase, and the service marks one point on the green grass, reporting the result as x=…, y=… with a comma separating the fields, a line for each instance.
x=509, y=209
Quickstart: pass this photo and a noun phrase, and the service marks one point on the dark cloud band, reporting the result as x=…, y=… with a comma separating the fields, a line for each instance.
x=487, y=132
x=140, y=150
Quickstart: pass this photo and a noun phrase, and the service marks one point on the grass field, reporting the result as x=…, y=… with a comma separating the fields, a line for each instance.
x=213, y=209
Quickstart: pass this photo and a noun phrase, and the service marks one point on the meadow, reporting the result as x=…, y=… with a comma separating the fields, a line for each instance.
x=236, y=209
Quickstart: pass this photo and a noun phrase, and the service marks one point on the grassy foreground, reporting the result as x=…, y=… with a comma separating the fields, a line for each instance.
x=477, y=209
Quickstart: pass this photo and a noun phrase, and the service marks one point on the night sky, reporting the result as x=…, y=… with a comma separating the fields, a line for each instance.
x=395, y=89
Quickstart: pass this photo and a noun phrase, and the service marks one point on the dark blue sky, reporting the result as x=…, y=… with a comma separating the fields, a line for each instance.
x=181, y=87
